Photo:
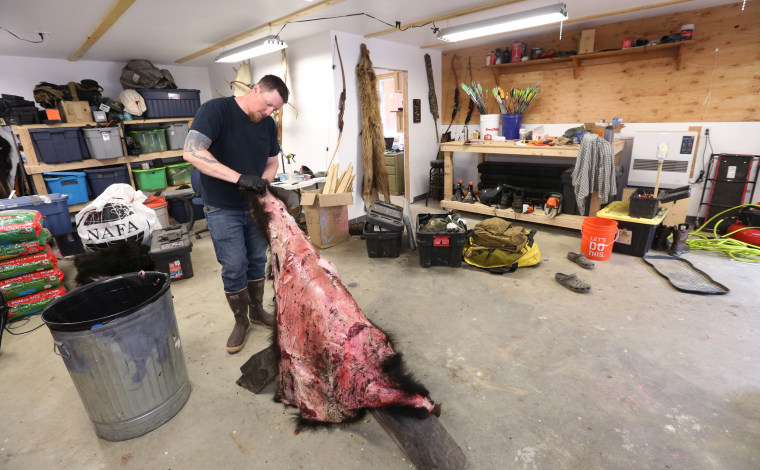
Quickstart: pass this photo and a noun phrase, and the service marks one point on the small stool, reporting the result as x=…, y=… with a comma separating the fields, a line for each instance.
x=435, y=185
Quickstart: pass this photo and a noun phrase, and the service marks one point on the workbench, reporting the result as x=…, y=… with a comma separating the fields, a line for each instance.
x=511, y=148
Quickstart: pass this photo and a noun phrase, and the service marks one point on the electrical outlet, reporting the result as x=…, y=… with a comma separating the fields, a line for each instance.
x=707, y=131
x=43, y=34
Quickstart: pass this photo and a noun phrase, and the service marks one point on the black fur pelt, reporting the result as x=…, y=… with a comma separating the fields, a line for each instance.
x=119, y=258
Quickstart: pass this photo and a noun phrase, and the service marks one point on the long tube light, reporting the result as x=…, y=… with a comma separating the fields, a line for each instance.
x=502, y=24
x=252, y=49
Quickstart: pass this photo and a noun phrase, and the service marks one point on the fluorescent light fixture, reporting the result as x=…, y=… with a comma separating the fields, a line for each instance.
x=252, y=49
x=502, y=24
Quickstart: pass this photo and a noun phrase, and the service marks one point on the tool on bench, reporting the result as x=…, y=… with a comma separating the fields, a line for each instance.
x=552, y=204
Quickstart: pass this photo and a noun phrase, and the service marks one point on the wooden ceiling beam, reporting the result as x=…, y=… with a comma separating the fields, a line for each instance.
x=104, y=25
x=574, y=20
x=444, y=17
x=251, y=32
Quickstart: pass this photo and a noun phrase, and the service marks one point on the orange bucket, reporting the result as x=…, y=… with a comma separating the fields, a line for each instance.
x=597, y=237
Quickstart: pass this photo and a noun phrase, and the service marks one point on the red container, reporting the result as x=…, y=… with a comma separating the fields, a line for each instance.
x=626, y=44
x=517, y=51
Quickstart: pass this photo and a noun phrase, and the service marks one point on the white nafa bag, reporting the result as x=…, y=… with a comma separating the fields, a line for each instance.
x=117, y=215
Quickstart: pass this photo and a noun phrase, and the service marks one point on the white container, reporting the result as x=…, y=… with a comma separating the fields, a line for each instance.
x=489, y=126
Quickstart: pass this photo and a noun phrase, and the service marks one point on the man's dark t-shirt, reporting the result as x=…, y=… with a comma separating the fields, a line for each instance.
x=237, y=143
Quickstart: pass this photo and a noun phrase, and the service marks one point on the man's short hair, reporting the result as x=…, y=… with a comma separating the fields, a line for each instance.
x=273, y=82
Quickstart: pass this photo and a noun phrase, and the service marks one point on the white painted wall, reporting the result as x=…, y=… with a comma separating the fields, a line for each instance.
x=315, y=91
x=20, y=75
x=725, y=137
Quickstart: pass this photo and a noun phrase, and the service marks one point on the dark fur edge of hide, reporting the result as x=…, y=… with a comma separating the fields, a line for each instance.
x=393, y=367
x=119, y=258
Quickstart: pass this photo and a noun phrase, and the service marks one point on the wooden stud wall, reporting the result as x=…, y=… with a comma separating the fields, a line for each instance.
x=638, y=91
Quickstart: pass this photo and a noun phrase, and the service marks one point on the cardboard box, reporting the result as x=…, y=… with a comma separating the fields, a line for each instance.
x=75, y=111
x=326, y=217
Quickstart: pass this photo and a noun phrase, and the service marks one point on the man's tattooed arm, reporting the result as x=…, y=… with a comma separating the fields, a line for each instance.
x=195, y=144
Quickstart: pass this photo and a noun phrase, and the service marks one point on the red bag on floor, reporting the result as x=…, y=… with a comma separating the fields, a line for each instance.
x=20, y=225
x=27, y=284
x=31, y=304
x=28, y=264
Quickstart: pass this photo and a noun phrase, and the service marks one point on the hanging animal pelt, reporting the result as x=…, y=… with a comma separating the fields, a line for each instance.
x=375, y=179
x=333, y=362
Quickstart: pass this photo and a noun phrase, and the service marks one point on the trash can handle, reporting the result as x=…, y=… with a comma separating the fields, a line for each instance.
x=60, y=350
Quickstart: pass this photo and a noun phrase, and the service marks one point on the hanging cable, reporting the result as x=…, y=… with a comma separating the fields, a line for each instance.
x=42, y=36
x=397, y=25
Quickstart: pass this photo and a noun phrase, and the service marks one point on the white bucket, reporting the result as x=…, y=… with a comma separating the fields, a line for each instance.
x=489, y=126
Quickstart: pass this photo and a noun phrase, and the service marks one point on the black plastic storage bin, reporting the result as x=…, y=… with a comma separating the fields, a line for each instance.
x=101, y=178
x=178, y=210
x=59, y=144
x=439, y=248
x=167, y=103
x=69, y=244
x=641, y=237
x=382, y=243
x=170, y=249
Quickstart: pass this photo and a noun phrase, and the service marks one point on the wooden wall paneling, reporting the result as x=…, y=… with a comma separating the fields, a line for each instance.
x=637, y=91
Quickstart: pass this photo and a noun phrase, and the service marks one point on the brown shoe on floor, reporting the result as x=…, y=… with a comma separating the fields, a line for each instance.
x=581, y=260
x=572, y=282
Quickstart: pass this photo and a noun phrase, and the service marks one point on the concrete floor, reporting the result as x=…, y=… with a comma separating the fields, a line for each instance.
x=530, y=375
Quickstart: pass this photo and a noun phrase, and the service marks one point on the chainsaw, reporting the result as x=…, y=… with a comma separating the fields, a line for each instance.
x=552, y=204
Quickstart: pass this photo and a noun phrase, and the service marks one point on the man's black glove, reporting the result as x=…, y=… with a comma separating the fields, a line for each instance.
x=253, y=182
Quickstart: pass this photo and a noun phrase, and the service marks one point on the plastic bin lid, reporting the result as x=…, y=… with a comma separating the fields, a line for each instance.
x=175, y=165
x=151, y=170
x=61, y=174
x=618, y=210
x=26, y=201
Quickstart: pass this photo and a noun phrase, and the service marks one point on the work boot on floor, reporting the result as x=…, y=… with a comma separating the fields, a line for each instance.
x=506, y=197
x=661, y=242
x=518, y=198
x=256, y=312
x=239, y=305
x=680, y=234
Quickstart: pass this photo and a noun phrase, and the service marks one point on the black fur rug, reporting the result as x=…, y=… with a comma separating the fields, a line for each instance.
x=119, y=258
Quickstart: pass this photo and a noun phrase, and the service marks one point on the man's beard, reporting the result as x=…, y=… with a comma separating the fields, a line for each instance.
x=254, y=117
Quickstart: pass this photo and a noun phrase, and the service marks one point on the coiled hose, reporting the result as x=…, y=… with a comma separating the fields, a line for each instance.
x=736, y=249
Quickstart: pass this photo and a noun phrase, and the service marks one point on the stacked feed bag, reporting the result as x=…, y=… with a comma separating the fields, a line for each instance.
x=29, y=279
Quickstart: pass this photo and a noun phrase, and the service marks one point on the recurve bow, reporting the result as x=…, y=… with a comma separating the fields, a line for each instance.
x=456, y=94
x=341, y=104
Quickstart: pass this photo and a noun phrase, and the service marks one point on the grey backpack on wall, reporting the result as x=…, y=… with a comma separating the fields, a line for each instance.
x=141, y=73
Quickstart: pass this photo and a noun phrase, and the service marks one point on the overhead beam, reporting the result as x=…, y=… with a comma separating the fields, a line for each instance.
x=574, y=20
x=105, y=24
x=444, y=17
x=252, y=32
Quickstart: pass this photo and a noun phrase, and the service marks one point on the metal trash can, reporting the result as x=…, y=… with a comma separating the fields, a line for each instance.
x=119, y=340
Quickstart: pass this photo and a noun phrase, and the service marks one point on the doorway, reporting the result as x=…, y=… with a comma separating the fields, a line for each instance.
x=393, y=90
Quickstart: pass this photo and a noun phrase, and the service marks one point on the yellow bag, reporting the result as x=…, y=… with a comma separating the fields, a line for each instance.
x=499, y=261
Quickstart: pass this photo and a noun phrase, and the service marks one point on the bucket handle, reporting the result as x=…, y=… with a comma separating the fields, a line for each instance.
x=617, y=235
x=59, y=349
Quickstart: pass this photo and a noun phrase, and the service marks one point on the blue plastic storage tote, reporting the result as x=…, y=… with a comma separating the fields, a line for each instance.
x=53, y=207
x=101, y=178
x=72, y=183
x=59, y=144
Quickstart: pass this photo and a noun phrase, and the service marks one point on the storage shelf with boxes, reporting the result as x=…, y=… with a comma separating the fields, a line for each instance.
x=95, y=154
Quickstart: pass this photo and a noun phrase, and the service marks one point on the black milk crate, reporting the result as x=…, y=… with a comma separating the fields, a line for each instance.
x=439, y=248
x=382, y=243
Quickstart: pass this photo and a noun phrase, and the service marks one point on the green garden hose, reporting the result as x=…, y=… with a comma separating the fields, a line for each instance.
x=736, y=249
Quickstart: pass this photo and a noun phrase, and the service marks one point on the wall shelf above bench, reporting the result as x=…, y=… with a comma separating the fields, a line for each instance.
x=594, y=58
